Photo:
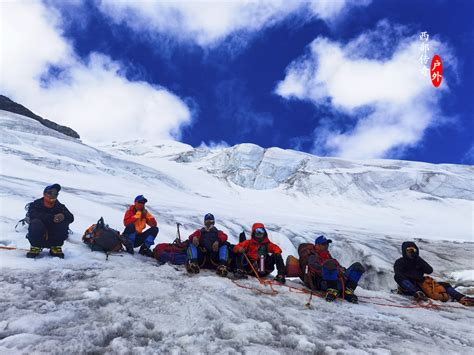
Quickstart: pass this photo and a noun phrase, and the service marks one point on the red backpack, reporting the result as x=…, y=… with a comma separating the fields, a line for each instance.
x=174, y=253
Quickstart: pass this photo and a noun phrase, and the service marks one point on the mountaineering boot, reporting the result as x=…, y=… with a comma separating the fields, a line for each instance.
x=420, y=296
x=144, y=250
x=192, y=268
x=33, y=253
x=240, y=274
x=349, y=296
x=331, y=295
x=56, y=252
x=222, y=270
x=127, y=244
x=280, y=279
x=467, y=301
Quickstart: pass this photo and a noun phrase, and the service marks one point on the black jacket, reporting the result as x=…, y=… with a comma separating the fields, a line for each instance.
x=37, y=210
x=412, y=269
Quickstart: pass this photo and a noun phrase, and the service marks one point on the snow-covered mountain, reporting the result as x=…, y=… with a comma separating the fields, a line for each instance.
x=130, y=305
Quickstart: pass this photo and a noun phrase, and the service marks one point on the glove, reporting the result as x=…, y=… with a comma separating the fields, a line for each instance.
x=240, y=250
x=215, y=246
x=195, y=241
x=58, y=218
x=420, y=296
x=144, y=213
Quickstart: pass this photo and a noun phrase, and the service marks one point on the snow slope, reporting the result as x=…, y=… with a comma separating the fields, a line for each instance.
x=129, y=304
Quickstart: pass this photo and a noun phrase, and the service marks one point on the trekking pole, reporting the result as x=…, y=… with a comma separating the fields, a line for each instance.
x=343, y=287
x=311, y=285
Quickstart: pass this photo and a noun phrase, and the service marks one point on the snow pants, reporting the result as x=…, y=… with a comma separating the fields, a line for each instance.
x=410, y=287
x=270, y=261
x=330, y=277
x=207, y=258
x=147, y=237
x=47, y=235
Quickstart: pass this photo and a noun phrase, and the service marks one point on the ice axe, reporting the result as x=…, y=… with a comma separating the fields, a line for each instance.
x=178, y=234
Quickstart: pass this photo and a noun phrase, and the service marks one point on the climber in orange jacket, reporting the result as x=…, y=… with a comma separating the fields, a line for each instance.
x=262, y=253
x=135, y=220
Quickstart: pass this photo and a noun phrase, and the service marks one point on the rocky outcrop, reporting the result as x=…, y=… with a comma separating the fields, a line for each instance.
x=11, y=106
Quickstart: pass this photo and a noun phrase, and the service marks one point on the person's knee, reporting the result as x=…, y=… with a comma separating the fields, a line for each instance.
x=36, y=225
x=193, y=253
x=358, y=267
x=330, y=270
x=445, y=284
x=278, y=258
x=130, y=228
x=223, y=253
x=154, y=231
x=330, y=265
x=399, y=280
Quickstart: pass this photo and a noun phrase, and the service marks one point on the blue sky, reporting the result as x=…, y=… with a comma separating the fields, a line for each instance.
x=339, y=78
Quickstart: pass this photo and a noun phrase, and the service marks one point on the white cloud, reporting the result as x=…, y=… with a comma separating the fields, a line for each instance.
x=468, y=157
x=209, y=22
x=92, y=97
x=380, y=89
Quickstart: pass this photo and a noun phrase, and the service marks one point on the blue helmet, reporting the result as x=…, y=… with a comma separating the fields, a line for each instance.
x=322, y=240
x=56, y=187
x=209, y=217
x=141, y=199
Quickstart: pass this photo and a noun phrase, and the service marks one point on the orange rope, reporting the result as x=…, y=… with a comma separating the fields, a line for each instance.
x=12, y=248
x=263, y=282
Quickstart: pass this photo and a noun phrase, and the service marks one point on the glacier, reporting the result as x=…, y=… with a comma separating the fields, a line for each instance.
x=131, y=304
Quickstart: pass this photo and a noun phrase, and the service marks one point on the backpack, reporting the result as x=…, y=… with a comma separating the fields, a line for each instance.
x=304, y=251
x=434, y=290
x=174, y=253
x=100, y=237
x=292, y=266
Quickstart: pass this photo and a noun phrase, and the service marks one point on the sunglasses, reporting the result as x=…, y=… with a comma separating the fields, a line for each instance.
x=411, y=250
x=52, y=193
x=260, y=231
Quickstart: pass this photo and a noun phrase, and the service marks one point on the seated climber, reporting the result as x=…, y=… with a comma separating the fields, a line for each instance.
x=321, y=272
x=49, y=223
x=208, y=249
x=135, y=220
x=263, y=254
x=410, y=272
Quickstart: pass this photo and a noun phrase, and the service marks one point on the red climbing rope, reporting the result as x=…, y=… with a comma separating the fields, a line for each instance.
x=362, y=299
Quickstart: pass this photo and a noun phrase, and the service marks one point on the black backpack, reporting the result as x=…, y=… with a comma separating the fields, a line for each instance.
x=100, y=237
